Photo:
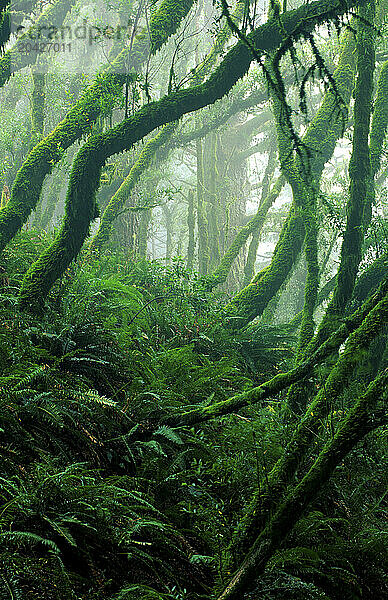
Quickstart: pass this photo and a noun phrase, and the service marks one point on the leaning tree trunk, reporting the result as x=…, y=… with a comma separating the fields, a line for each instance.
x=283, y=380
x=321, y=138
x=97, y=100
x=249, y=268
x=85, y=177
x=281, y=475
x=367, y=414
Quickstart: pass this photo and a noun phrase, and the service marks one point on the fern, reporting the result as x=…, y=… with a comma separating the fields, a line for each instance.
x=26, y=538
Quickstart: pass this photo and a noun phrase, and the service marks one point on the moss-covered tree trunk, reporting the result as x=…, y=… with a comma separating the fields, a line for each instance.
x=305, y=433
x=282, y=381
x=202, y=225
x=118, y=200
x=360, y=176
x=85, y=177
x=368, y=413
x=15, y=59
x=249, y=268
x=142, y=233
x=212, y=207
x=321, y=138
x=96, y=101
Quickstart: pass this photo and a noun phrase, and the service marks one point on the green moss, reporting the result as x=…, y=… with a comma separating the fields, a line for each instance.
x=86, y=171
x=203, y=241
x=379, y=120
x=249, y=267
x=370, y=320
x=253, y=299
x=360, y=179
x=360, y=421
x=117, y=202
x=321, y=137
x=98, y=100
x=370, y=279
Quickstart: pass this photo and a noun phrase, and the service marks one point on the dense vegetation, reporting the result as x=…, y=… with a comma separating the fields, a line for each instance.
x=193, y=300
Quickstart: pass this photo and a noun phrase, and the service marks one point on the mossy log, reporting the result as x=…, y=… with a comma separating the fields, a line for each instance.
x=97, y=100
x=368, y=413
x=86, y=172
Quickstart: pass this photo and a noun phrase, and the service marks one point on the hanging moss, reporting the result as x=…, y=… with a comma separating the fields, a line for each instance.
x=98, y=100
x=83, y=186
x=360, y=178
x=295, y=166
x=321, y=137
x=117, y=202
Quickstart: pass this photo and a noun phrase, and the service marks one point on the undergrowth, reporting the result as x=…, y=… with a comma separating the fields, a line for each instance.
x=101, y=500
